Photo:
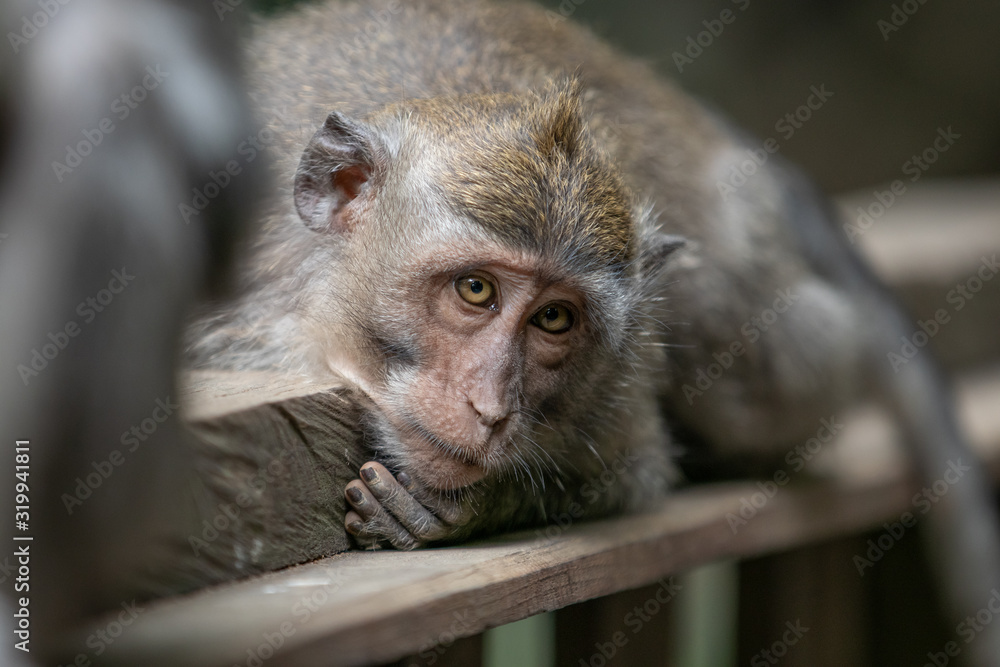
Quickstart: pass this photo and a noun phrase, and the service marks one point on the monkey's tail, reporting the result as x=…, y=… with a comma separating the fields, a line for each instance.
x=962, y=526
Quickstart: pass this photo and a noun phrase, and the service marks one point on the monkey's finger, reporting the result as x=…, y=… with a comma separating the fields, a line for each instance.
x=451, y=512
x=374, y=521
x=356, y=528
x=401, y=504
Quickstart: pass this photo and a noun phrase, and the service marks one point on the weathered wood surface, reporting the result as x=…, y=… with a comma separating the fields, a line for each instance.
x=275, y=456
x=362, y=607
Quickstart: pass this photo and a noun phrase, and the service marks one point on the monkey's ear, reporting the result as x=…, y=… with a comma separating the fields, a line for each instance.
x=655, y=251
x=337, y=163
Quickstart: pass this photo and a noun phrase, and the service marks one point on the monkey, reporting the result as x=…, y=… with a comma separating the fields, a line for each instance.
x=512, y=240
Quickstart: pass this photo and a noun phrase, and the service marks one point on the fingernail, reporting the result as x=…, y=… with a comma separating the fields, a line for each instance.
x=355, y=496
x=354, y=527
x=404, y=479
x=369, y=475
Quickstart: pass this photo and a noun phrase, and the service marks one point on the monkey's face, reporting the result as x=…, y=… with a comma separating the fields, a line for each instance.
x=487, y=286
x=470, y=353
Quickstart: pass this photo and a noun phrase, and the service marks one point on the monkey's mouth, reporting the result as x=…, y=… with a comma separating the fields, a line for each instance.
x=440, y=464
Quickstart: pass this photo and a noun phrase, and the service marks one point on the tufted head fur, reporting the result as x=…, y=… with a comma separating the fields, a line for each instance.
x=528, y=171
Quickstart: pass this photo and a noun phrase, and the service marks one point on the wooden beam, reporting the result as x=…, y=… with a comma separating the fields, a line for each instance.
x=362, y=607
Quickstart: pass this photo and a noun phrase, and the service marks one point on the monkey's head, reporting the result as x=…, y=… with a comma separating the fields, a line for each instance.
x=489, y=279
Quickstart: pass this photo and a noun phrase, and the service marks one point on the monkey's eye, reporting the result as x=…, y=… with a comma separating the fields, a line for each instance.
x=475, y=290
x=553, y=318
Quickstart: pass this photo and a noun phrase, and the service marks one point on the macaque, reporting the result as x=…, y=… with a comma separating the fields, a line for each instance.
x=513, y=241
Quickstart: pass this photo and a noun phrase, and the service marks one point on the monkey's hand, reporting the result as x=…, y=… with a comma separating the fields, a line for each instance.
x=387, y=511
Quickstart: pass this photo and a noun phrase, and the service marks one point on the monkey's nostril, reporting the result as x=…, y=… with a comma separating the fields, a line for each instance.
x=492, y=421
x=490, y=417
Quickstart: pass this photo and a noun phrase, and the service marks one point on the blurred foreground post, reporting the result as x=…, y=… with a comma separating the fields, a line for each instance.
x=113, y=113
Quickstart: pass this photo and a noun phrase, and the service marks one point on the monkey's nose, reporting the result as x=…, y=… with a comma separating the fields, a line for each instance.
x=490, y=416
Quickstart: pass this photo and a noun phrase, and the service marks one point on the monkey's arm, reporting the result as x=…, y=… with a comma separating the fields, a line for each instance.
x=394, y=511
x=633, y=472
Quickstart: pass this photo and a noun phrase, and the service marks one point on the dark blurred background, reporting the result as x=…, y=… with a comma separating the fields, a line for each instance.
x=892, y=88
x=940, y=68
x=898, y=71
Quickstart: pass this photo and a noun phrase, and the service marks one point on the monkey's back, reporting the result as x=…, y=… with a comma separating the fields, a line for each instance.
x=376, y=54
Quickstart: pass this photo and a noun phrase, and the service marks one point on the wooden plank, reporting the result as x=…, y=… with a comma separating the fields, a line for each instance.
x=362, y=607
x=207, y=395
x=274, y=456
x=371, y=607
